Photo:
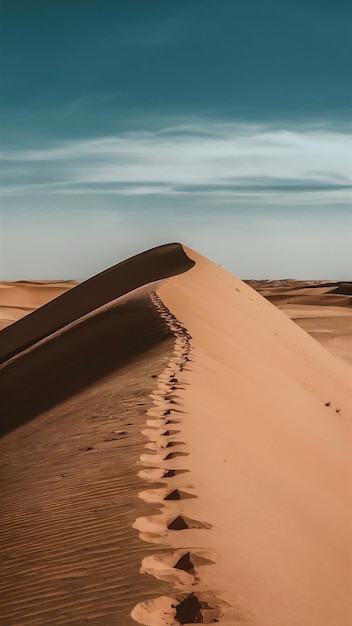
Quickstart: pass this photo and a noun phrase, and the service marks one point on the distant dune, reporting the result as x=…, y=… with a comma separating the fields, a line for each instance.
x=175, y=450
x=17, y=299
x=323, y=309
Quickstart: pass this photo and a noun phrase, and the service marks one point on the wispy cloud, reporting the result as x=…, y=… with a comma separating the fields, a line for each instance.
x=204, y=159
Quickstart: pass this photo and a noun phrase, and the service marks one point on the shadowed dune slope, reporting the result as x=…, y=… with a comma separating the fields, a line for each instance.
x=76, y=357
x=72, y=409
x=94, y=338
x=20, y=298
x=144, y=268
x=344, y=288
x=69, y=484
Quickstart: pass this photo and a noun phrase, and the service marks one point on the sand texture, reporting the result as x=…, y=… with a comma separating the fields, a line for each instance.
x=174, y=450
x=69, y=486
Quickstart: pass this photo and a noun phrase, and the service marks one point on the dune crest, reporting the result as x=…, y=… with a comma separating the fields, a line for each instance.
x=88, y=296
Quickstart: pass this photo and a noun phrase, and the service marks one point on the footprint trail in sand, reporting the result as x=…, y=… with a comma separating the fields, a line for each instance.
x=166, y=459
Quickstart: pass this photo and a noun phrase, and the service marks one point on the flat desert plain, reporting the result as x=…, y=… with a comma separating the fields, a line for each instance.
x=175, y=449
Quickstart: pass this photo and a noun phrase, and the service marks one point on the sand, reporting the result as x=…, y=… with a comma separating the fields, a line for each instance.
x=20, y=298
x=69, y=499
x=226, y=499
x=92, y=294
x=324, y=310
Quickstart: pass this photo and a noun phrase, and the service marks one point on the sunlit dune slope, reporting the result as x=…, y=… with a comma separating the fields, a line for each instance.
x=268, y=427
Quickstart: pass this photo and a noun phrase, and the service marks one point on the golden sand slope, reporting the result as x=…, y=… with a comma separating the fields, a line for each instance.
x=267, y=427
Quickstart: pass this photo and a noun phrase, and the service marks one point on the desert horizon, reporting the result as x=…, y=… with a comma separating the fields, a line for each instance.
x=322, y=307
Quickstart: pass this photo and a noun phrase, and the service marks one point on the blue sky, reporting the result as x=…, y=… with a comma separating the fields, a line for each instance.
x=129, y=123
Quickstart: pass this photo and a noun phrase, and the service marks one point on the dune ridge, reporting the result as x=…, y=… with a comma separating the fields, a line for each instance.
x=323, y=309
x=51, y=360
x=88, y=296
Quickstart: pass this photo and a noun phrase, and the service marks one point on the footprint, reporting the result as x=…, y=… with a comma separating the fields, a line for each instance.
x=174, y=472
x=173, y=455
x=188, y=611
x=178, y=494
x=194, y=610
x=170, y=433
x=182, y=523
x=185, y=563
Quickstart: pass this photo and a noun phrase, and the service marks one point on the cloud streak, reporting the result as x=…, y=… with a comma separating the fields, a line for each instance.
x=205, y=159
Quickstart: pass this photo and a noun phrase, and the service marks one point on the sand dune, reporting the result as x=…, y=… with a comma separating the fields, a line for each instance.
x=324, y=310
x=93, y=293
x=182, y=454
x=17, y=299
